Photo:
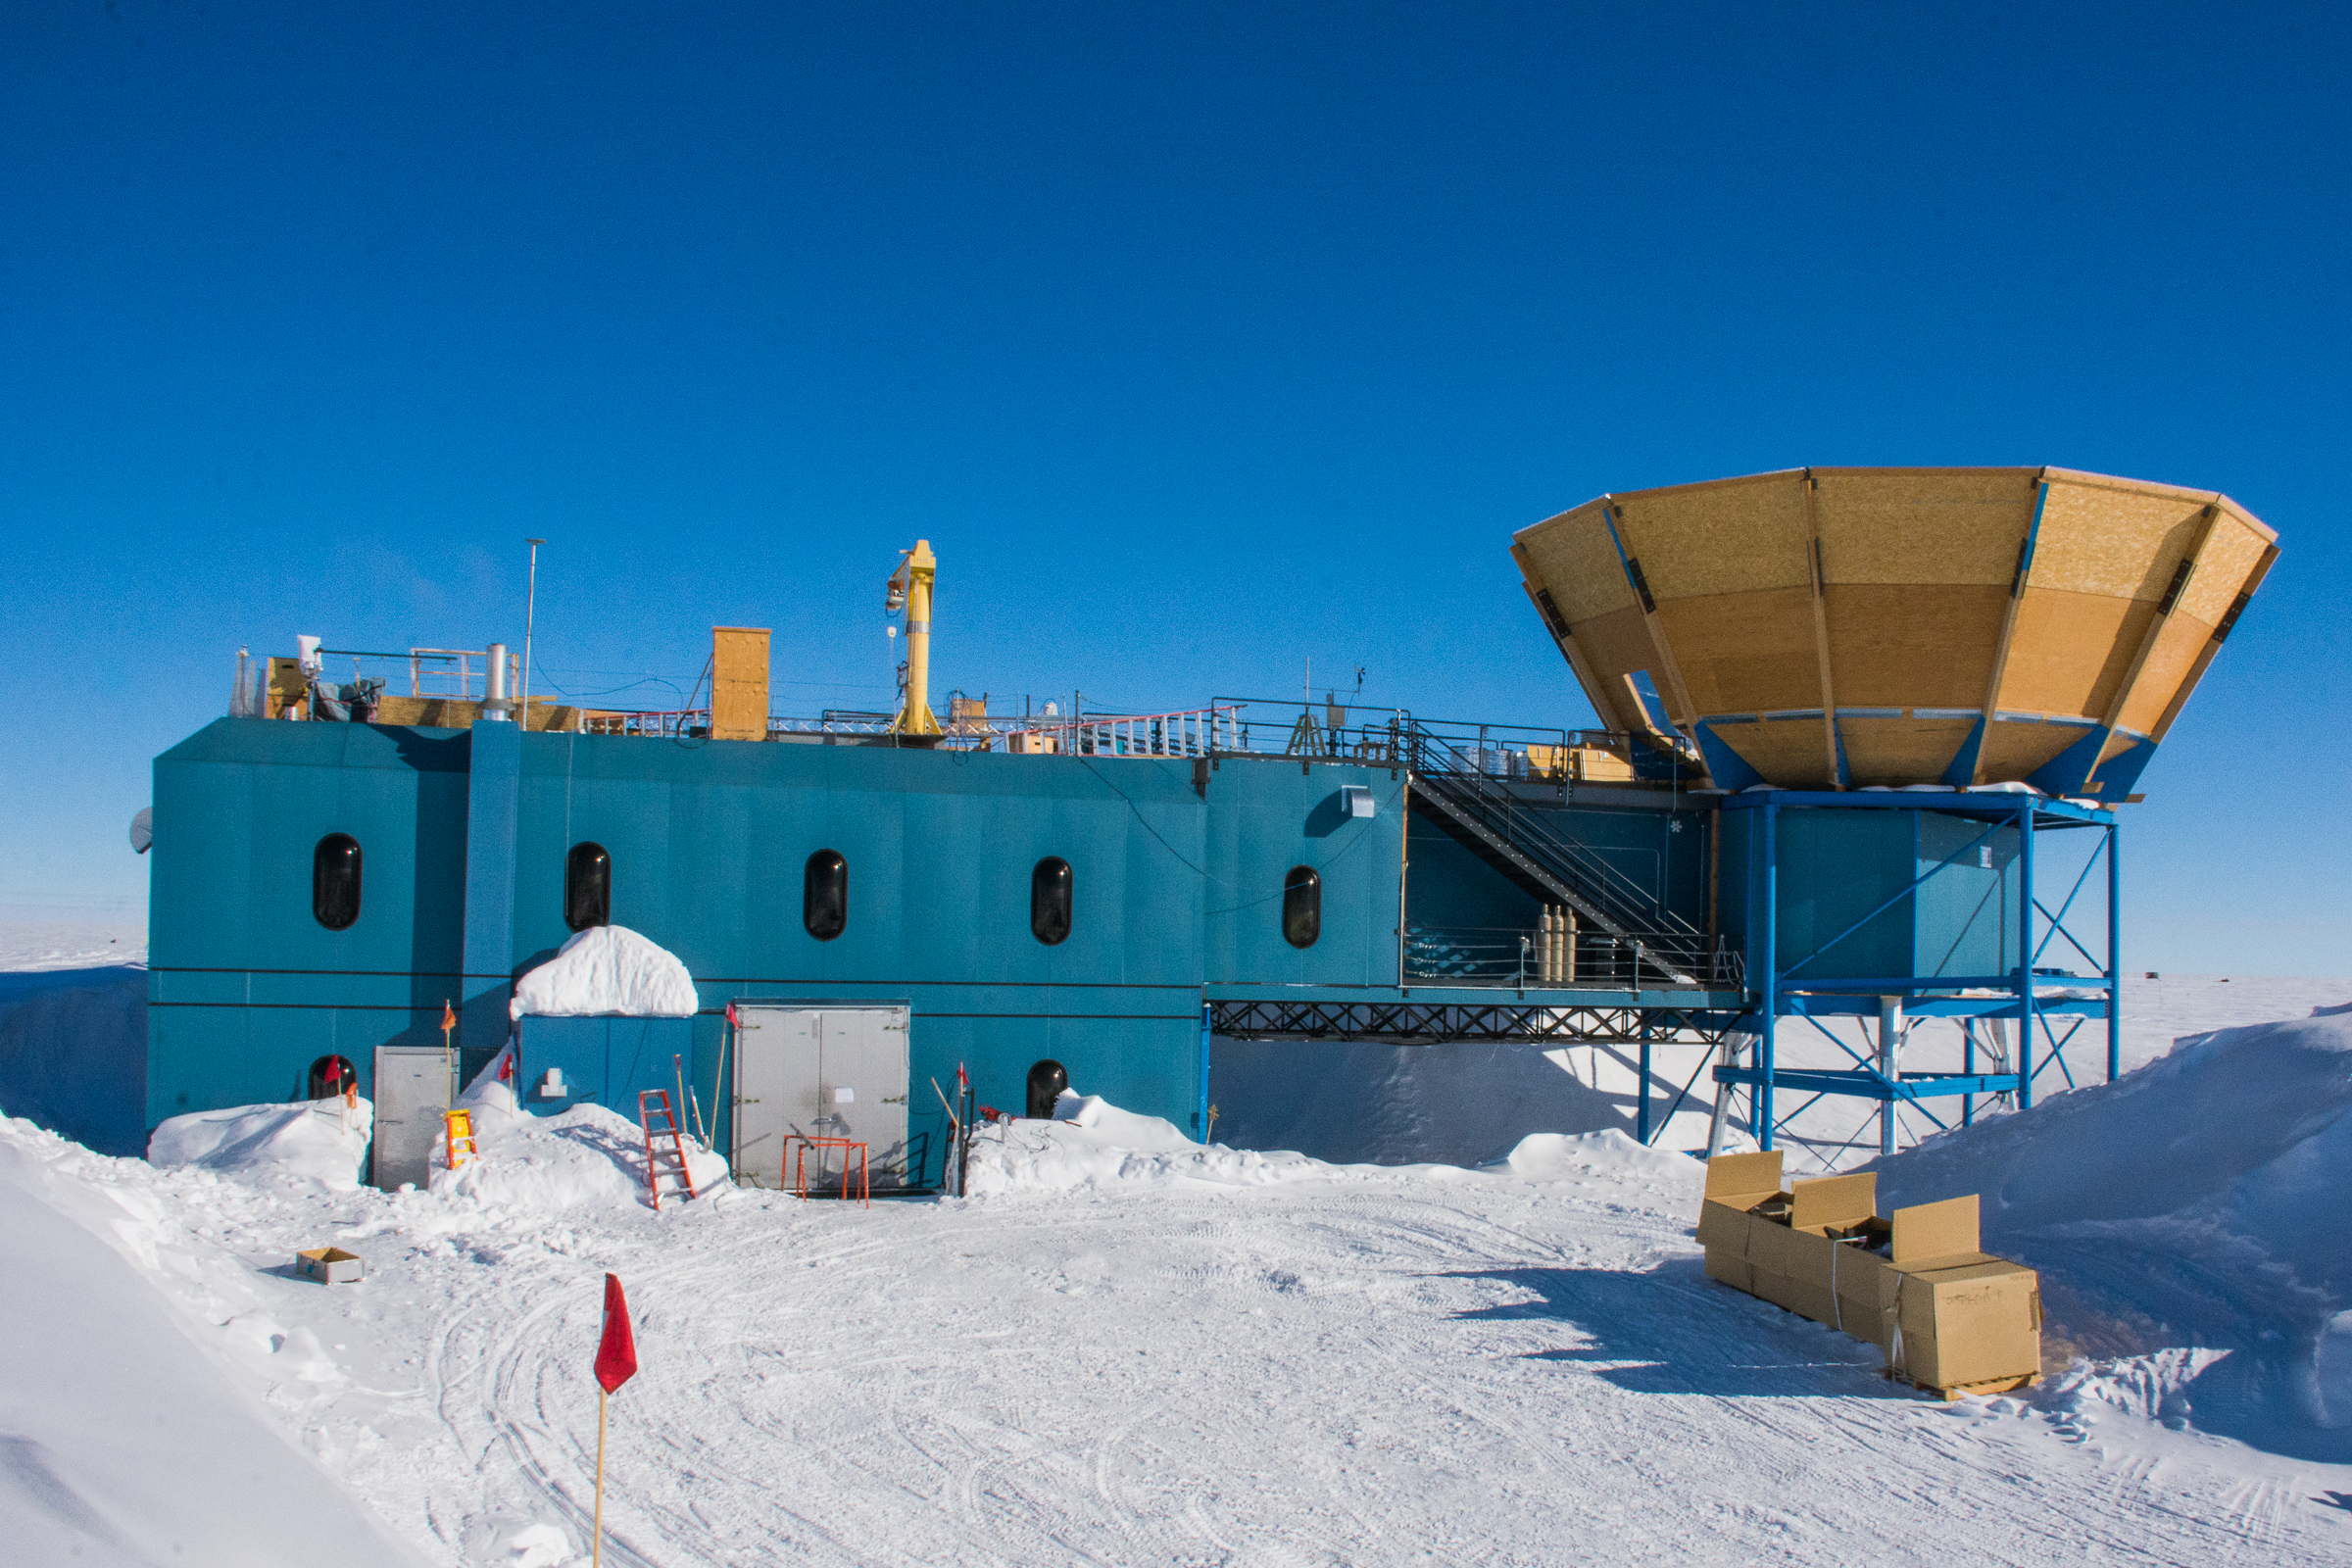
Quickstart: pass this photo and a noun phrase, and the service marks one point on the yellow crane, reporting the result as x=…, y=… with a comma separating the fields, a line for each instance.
x=910, y=589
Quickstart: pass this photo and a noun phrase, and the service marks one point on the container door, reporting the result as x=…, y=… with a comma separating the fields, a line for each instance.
x=776, y=1084
x=412, y=1091
x=862, y=1087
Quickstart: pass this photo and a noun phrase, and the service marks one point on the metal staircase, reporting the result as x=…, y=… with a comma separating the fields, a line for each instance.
x=1451, y=790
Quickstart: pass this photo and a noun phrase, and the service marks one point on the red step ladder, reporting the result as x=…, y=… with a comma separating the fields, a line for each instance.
x=664, y=1148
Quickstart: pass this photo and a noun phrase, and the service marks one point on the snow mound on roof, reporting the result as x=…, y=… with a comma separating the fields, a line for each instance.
x=604, y=971
x=2197, y=1200
x=324, y=1141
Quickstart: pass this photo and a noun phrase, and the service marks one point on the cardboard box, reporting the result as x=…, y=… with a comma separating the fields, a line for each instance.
x=1946, y=1313
x=1737, y=1185
x=329, y=1265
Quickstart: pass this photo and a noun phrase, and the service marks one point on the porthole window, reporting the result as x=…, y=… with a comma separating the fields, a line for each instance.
x=587, y=886
x=1302, y=907
x=825, y=895
x=331, y=1076
x=1050, y=900
x=335, y=881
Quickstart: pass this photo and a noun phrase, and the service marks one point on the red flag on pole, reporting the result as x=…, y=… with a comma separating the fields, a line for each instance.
x=732, y=1024
x=449, y=1019
x=616, y=1354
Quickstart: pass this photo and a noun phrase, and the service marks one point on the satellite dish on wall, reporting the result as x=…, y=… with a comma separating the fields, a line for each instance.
x=142, y=830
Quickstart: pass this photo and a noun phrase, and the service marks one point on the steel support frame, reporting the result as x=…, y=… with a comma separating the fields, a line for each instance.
x=1776, y=988
x=1408, y=1022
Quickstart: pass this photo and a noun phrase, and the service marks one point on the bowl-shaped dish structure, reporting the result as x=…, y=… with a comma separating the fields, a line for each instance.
x=1837, y=628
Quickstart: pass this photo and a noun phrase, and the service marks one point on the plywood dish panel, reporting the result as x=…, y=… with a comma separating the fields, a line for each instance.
x=1794, y=752
x=1746, y=652
x=1927, y=596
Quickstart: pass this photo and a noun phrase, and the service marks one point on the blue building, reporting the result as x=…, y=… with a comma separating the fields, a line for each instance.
x=323, y=890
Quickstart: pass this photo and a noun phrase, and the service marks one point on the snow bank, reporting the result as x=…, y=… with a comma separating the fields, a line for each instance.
x=604, y=971
x=1093, y=1143
x=1608, y=1156
x=2201, y=1201
x=323, y=1141
x=1457, y=1103
x=587, y=1157
x=122, y=1444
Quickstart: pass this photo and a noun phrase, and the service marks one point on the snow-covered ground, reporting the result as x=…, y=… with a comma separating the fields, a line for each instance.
x=1124, y=1349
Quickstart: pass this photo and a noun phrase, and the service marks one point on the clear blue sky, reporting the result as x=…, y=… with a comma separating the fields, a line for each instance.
x=1199, y=339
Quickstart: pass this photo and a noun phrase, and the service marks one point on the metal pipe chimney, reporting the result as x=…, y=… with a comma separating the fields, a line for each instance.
x=496, y=704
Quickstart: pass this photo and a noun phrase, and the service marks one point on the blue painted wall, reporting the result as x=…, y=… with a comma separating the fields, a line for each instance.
x=1835, y=867
x=1178, y=880
x=245, y=988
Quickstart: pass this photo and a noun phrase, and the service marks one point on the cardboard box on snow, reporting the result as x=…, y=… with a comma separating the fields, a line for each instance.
x=1942, y=1311
x=329, y=1265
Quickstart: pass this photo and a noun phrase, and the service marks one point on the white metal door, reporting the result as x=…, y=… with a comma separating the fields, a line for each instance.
x=821, y=1072
x=412, y=1091
x=775, y=1072
x=862, y=1085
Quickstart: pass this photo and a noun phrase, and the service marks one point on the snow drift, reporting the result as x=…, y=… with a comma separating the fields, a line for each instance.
x=604, y=971
x=588, y=1156
x=323, y=1141
x=122, y=1444
x=1457, y=1103
x=2200, y=1200
x=1092, y=1142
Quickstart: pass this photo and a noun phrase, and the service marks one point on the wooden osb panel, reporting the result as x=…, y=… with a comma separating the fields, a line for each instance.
x=1574, y=558
x=1728, y=537
x=1922, y=525
x=2106, y=539
x=738, y=683
x=2070, y=651
x=2014, y=753
x=1911, y=646
x=546, y=714
x=1901, y=751
x=2169, y=663
x=1746, y=652
x=1790, y=753
x=2230, y=556
x=1615, y=645
x=430, y=712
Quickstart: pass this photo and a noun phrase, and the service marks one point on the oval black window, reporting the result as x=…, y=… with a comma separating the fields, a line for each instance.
x=331, y=1076
x=1050, y=900
x=1302, y=907
x=825, y=895
x=587, y=886
x=335, y=881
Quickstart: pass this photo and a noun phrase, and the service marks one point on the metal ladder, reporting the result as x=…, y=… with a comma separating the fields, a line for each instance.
x=667, y=1156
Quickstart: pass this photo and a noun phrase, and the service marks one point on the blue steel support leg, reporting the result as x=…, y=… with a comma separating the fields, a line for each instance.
x=2115, y=959
x=1201, y=1109
x=1642, y=1089
x=1769, y=1012
x=1968, y=1065
x=2025, y=952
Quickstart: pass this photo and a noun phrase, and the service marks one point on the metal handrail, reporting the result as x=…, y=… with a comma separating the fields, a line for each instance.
x=1603, y=960
x=1619, y=897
